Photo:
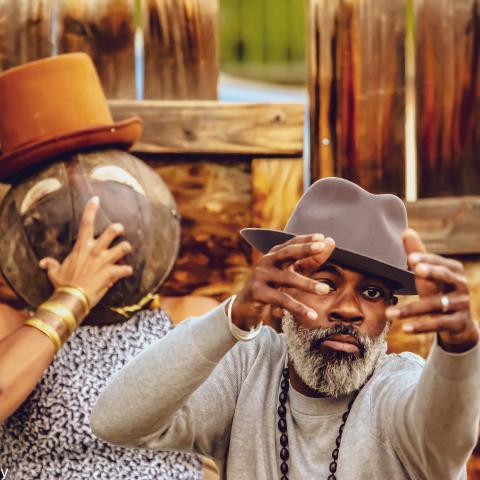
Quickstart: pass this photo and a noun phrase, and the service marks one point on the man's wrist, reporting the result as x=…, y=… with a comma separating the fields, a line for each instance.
x=461, y=342
x=240, y=330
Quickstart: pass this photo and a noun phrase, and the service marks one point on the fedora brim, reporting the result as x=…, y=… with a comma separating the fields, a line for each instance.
x=123, y=134
x=264, y=239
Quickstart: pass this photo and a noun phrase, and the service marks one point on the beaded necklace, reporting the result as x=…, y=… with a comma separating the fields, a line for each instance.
x=282, y=427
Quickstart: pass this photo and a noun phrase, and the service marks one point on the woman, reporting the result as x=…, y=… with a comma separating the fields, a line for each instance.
x=46, y=398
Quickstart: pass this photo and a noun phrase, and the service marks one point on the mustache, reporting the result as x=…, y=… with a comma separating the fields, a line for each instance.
x=321, y=334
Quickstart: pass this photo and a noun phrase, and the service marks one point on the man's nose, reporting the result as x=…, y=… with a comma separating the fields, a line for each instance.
x=346, y=310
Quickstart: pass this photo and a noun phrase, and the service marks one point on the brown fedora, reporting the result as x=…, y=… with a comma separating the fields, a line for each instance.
x=54, y=106
x=367, y=229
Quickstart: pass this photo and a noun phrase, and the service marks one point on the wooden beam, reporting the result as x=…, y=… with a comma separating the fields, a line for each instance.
x=449, y=225
x=216, y=128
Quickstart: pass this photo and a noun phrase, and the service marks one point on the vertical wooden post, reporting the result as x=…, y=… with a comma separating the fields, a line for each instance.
x=25, y=31
x=106, y=31
x=447, y=38
x=357, y=89
x=180, y=44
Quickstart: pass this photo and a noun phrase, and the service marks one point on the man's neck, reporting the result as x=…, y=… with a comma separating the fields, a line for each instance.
x=299, y=385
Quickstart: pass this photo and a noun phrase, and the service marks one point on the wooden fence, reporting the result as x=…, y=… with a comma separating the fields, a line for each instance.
x=358, y=90
x=141, y=48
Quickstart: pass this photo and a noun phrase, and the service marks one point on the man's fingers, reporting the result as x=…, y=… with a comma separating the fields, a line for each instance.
x=289, y=278
x=430, y=258
x=311, y=238
x=412, y=242
x=441, y=274
x=310, y=264
x=87, y=223
x=454, y=323
x=106, y=238
x=293, y=252
x=426, y=306
x=271, y=296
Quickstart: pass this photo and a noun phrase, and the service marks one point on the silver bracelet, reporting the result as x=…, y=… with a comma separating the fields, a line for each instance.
x=238, y=333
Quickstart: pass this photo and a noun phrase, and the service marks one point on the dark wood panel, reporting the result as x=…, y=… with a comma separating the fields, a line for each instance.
x=447, y=36
x=357, y=92
x=106, y=31
x=180, y=48
x=216, y=127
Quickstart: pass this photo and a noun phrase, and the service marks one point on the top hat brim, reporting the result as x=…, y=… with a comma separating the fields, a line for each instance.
x=122, y=134
x=264, y=239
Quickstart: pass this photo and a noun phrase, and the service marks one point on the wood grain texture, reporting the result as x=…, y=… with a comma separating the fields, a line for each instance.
x=106, y=31
x=216, y=127
x=447, y=225
x=447, y=37
x=215, y=201
x=25, y=27
x=357, y=92
x=277, y=187
x=180, y=48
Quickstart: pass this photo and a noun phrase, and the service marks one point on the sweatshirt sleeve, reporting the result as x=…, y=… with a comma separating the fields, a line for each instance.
x=179, y=393
x=433, y=416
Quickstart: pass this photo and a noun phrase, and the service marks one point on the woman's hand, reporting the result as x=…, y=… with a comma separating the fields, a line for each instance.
x=277, y=270
x=91, y=265
x=437, y=277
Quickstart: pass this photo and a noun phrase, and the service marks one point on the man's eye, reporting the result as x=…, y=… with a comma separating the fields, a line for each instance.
x=372, y=293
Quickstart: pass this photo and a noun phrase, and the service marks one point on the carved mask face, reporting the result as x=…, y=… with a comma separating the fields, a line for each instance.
x=39, y=217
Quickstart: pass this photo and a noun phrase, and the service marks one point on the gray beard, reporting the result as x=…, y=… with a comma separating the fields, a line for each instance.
x=332, y=374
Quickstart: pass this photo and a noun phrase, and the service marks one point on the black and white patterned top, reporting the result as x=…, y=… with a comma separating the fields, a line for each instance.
x=49, y=436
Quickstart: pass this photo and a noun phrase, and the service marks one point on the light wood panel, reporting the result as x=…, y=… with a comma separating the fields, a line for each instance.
x=216, y=127
x=25, y=27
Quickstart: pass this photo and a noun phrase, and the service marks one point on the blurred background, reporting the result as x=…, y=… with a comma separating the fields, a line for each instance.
x=246, y=102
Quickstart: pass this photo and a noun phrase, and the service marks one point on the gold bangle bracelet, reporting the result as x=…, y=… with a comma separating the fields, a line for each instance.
x=79, y=293
x=61, y=311
x=46, y=329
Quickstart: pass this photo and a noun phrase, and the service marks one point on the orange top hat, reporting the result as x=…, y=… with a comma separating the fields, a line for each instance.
x=55, y=106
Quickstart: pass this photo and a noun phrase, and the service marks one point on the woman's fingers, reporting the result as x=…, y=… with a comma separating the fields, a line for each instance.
x=107, y=237
x=52, y=267
x=117, y=252
x=87, y=222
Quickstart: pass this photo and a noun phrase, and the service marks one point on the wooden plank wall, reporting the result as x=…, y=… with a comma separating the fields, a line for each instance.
x=447, y=36
x=162, y=49
x=357, y=92
x=181, y=49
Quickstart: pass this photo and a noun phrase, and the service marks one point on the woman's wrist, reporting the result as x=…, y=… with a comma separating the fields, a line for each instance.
x=61, y=314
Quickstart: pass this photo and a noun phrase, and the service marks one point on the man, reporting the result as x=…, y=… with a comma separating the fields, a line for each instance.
x=323, y=400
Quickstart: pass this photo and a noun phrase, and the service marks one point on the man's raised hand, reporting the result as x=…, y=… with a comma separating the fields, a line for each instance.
x=277, y=270
x=437, y=277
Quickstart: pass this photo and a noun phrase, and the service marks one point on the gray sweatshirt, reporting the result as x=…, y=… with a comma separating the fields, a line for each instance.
x=199, y=390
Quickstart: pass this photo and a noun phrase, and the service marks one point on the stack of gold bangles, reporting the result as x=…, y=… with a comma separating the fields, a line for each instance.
x=61, y=314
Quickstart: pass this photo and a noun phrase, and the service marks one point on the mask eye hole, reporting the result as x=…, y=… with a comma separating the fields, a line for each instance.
x=38, y=191
x=113, y=173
